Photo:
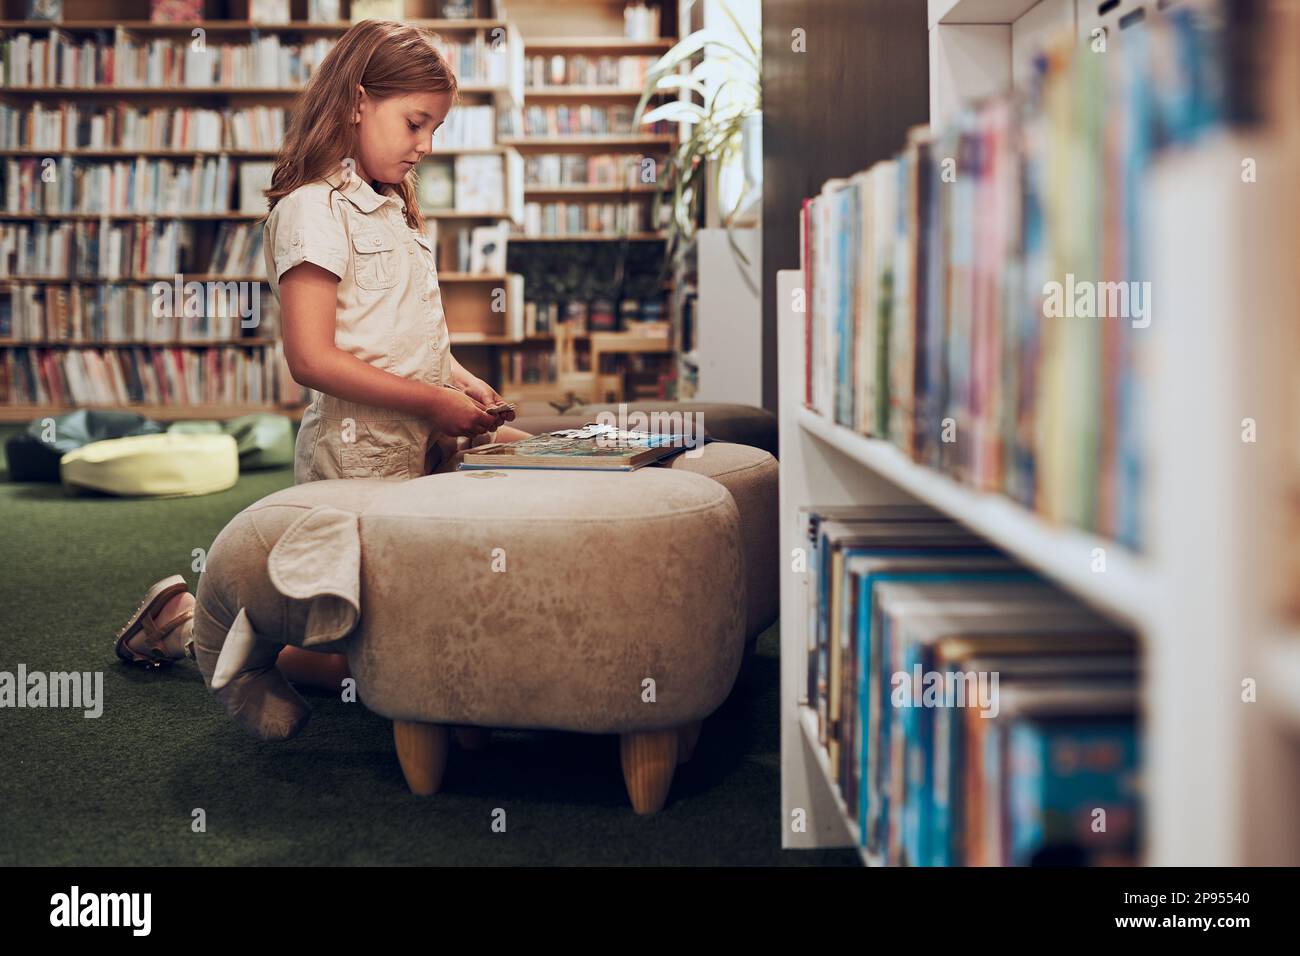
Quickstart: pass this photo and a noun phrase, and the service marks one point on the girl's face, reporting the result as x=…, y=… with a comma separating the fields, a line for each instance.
x=396, y=133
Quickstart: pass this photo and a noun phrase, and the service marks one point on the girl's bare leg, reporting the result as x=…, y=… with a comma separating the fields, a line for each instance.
x=508, y=433
x=326, y=671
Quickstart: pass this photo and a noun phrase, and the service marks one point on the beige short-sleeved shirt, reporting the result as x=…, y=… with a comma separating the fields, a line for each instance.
x=389, y=314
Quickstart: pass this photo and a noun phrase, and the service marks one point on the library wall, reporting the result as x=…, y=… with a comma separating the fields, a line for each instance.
x=868, y=53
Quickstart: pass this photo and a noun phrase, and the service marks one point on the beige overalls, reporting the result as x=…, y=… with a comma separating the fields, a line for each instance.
x=389, y=314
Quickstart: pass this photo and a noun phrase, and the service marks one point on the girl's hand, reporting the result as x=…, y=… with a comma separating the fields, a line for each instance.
x=487, y=396
x=455, y=413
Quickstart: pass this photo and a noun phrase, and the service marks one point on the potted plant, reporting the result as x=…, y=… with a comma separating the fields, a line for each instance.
x=718, y=127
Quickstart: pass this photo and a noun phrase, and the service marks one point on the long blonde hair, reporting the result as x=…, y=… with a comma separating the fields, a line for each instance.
x=387, y=58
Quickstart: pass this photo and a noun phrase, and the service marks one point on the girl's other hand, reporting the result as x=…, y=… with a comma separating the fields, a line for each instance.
x=455, y=413
x=487, y=396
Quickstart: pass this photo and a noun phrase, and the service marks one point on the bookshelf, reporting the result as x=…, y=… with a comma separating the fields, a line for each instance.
x=580, y=33
x=471, y=322
x=1208, y=595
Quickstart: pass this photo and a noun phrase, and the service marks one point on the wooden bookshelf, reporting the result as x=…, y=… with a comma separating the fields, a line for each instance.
x=190, y=92
x=472, y=290
x=200, y=277
x=587, y=28
x=238, y=26
x=587, y=190
x=581, y=92
x=594, y=237
x=132, y=343
x=603, y=140
x=1220, y=777
x=600, y=44
x=10, y=414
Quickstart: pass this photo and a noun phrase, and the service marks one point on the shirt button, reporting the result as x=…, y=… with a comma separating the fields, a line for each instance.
x=375, y=240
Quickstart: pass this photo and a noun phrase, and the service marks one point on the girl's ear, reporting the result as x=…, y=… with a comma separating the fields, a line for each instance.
x=361, y=90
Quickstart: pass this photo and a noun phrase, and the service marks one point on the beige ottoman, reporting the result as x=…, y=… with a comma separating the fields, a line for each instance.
x=752, y=477
x=601, y=603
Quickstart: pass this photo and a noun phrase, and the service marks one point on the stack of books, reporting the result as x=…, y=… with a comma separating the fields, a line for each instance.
x=971, y=713
x=979, y=300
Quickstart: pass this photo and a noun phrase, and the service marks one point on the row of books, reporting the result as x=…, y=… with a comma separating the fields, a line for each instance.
x=468, y=183
x=640, y=21
x=477, y=59
x=604, y=169
x=259, y=11
x=584, y=120
x=90, y=249
x=237, y=250
x=129, y=187
x=599, y=315
x=577, y=69
x=972, y=714
x=57, y=60
x=269, y=12
x=127, y=126
x=467, y=127
x=533, y=367
x=567, y=218
x=217, y=375
x=207, y=312
x=935, y=280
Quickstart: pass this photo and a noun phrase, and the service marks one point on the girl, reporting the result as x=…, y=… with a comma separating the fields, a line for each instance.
x=361, y=311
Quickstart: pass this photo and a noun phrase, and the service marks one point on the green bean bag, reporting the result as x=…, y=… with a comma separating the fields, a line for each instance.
x=155, y=466
x=264, y=439
x=34, y=454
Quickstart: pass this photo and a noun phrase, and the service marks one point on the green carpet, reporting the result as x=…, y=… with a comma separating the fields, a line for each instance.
x=121, y=789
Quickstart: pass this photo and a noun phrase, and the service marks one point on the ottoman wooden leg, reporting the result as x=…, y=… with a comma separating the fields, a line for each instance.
x=687, y=735
x=649, y=759
x=422, y=752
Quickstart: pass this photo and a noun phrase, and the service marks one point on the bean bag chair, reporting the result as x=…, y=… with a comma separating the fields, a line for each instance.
x=155, y=466
x=264, y=439
x=34, y=455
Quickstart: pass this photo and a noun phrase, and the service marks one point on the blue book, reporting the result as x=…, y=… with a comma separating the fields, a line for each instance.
x=1071, y=790
x=871, y=653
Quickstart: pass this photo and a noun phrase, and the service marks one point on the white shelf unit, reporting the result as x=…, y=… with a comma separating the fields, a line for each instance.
x=1221, y=776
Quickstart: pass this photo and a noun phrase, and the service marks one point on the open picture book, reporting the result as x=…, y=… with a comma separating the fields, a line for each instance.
x=592, y=447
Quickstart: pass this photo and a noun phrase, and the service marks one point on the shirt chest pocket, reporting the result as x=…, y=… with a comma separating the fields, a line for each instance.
x=374, y=259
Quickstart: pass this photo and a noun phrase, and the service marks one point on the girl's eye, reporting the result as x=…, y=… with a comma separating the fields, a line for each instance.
x=413, y=127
